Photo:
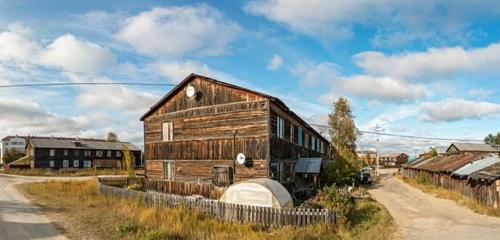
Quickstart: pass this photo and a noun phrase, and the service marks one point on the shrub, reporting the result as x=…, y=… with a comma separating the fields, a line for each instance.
x=331, y=198
x=130, y=226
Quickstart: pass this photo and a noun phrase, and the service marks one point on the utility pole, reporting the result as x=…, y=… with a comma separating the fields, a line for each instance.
x=378, y=130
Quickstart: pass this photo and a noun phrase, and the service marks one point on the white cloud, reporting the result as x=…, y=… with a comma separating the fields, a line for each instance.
x=66, y=52
x=455, y=109
x=175, y=31
x=431, y=64
x=28, y=117
x=382, y=88
x=275, y=62
x=481, y=93
x=334, y=19
x=177, y=71
x=313, y=74
x=74, y=54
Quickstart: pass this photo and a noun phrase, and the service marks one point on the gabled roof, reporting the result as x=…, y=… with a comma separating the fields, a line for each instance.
x=193, y=76
x=451, y=163
x=23, y=161
x=472, y=147
x=476, y=166
x=391, y=155
x=82, y=144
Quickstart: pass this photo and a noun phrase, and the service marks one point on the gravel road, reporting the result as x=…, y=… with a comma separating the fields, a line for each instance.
x=19, y=219
x=423, y=216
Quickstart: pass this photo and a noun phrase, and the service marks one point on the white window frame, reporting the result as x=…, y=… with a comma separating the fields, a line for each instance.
x=167, y=131
x=109, y=163
x=52, y=163
x=65, y=152
x=76, y=163
x=98, y=164
x=98, y=153
x=52, y=152
x=168, y=170
x=108, y=154
x=118, y=154
x=313, y=143
x=87, y=164
x=76, y=153
x=291, y=132
x=65, y=163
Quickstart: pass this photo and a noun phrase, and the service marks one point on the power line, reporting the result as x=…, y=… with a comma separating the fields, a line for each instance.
x=406, y=136
x=84, y=83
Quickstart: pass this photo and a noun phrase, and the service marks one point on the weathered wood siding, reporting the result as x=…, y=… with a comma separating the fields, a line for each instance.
x=209, y=94
x=203, y=133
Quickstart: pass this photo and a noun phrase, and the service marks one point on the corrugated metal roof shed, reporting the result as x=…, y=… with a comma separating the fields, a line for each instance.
x=308, y=165
x=453, y=162
x=82, y=144
x=423, y=162
x=490, y=173
x=476, y=166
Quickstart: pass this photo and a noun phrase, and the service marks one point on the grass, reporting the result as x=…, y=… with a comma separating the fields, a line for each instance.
x=425, y=185
x=69, y=172
x=83, y=213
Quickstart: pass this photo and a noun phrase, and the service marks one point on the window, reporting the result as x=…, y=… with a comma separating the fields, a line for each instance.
x=76, y=153
x=65, y=152
x=118, y=154
x=108, y=154
x=52, y=163
x=76, y=163
x=280, y=127
x=300, y=137
x=87, y=153
x=109, y=163
x=98, y=153
x=52, y=152
x=275, y=171
x=291, y=132
x=168, y=131
x=65, y=163
x=87, y=164
x=313, y=143
x=98, y=163
x=168, y=171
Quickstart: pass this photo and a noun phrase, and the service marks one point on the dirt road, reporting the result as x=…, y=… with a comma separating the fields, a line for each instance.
x=19, y=219
x=423, y=216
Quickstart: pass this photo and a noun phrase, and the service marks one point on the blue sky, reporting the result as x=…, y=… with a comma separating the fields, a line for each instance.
x=426, y=69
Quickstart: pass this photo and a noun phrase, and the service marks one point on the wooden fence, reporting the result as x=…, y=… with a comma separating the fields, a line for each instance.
x=486, y=193
x=262, y=216
x=185, y=188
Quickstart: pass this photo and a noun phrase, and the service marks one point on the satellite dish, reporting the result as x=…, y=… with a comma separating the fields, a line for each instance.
x=240, y=158
x=190, y=91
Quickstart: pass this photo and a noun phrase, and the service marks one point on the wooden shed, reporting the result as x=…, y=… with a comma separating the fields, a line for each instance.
x=197, y=131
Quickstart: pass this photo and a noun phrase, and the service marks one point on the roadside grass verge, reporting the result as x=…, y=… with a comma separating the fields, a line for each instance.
x=425, y=185
x=84, y=213
x=69, y=172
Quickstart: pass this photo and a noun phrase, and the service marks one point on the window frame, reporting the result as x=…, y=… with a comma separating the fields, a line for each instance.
x=169, y=127
x=52, y=152
x=109, y=154
x=65, y=163
x=76, y=163
x=169, y=170
x=52, y=163
x=87, y=164
x=118, y=154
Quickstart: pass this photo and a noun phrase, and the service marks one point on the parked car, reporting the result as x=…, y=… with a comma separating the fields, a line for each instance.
x=366, y=176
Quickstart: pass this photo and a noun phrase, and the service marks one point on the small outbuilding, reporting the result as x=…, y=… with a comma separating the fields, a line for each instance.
x=261, y=192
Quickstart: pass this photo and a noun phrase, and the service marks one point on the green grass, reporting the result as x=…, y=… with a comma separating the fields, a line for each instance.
x=91, y=215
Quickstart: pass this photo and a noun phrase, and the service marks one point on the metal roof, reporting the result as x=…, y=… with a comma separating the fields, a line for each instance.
x=82, y=144
x=476, y=166
x=452, y=162
x=490, y=173
x=473, y=147
x=308, y=165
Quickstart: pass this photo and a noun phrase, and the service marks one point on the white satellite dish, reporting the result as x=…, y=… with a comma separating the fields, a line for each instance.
x=190, y=91
x=240, y=158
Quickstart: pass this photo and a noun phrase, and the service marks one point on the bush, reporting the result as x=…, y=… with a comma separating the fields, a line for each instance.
x=130, y=226
x=423, y=179
x=331, y=198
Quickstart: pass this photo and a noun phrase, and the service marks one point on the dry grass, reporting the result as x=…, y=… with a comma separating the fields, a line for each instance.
x=69, y=172
x=425, y=185
x=88, y=214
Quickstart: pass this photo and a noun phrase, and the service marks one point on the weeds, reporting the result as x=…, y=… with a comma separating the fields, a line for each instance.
x=92, y=215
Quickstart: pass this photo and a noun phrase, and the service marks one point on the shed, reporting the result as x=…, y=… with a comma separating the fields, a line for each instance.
x=261, y=192
x=308, y=165
x=490, y=173
x=476, y=166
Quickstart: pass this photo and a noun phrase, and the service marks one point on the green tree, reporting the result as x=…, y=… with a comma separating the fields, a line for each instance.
x=492, y=139
x=344, y=167
x=128, y=162
x=11, y=156
x=112, y=137
x=433, y=152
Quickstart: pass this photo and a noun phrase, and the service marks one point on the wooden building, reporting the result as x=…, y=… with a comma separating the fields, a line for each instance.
x=197, y=131
x=393, y=160
x=58, y=153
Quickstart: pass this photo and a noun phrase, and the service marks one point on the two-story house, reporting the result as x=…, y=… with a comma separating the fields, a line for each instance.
x=208, y=130
x=78, y=153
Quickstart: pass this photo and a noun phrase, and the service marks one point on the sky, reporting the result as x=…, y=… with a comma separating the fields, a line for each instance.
x=413, y=68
